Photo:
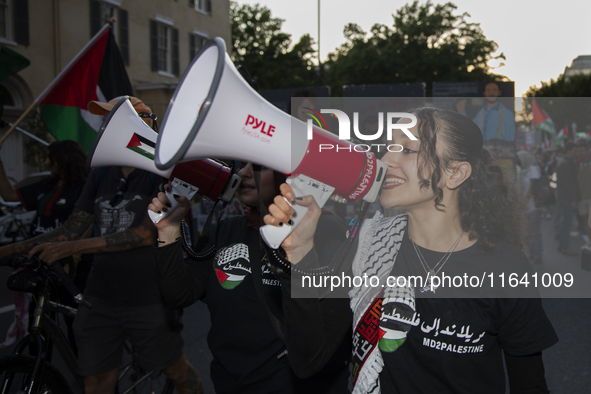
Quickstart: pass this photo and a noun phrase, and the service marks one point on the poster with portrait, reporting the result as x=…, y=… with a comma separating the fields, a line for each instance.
x=491, y=105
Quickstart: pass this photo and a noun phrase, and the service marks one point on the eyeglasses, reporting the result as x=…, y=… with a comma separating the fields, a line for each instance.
x=121, y=189
x=146, y=115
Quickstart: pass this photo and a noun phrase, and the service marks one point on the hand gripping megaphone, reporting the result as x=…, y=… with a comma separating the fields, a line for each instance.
x=124, y=139
x=215, y=113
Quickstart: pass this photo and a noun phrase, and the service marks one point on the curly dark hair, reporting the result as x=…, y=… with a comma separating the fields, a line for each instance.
x=70, y=160
x=489, y=206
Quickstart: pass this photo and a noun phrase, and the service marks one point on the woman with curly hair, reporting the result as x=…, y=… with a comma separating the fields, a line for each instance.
x=461, y=220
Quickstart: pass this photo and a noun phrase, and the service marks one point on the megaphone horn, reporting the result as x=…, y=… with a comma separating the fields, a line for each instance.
x=214, y=113
x=124, y=139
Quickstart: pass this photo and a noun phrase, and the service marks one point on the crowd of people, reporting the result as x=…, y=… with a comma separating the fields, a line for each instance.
x=558, y=181
x=459, y=211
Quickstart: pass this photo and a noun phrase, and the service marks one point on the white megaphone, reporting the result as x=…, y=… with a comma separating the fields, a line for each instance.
x=124, y=139
x=215, y=113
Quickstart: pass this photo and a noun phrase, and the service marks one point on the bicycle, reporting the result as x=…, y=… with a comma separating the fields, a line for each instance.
x=15, y=222
x=28, y=374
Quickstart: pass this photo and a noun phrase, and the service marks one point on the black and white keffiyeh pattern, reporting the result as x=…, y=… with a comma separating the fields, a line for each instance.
x=379, y=242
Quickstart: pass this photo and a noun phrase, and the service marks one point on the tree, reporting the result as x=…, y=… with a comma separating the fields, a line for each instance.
x=566, y=100
x=574, y=86
x=259, y=45
x=427, y=43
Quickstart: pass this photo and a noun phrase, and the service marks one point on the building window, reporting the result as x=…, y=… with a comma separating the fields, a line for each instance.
x=203, y=6
x=164, y=46
x=107, y=12
x=164, y=61
x=5, y=20
x=15, y=91
x=101, y=11
x=196, y=41
x=200, y=5
x=14, y=22
x=8, y=99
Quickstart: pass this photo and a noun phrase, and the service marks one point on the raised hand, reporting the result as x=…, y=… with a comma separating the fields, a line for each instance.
x=301, y=240
x=169, y=227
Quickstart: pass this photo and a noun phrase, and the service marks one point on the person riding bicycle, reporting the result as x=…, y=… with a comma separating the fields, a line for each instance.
x=122, y=286
x=53, y=199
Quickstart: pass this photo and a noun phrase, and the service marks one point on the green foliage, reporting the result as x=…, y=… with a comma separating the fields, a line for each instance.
x=558, y=99
x=259, y=45
x=575, y=86
x=427, y=43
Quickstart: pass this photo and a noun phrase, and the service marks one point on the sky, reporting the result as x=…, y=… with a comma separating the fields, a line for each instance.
x=539, y=38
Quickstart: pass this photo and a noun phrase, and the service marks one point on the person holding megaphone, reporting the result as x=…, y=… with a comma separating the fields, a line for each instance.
x=461, y=218
x=262, y=340
x=122, y=286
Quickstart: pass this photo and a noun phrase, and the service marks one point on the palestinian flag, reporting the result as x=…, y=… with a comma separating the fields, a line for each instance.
x=11, y=62
x=98, y=75
x=390, y=340
x=542, y=121
x=228, y=281
x=232, y=264
x=583, y=136
x=547, y=144
x=561, y=137
x=142, y=145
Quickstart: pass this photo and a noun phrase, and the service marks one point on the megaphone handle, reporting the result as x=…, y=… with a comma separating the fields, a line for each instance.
x=301, y=185
x=274, y=236
x=157, y=217
x=179, y=188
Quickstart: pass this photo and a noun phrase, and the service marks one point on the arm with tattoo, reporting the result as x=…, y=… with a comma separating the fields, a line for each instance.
x=72, y=229
x=142, y=235
x=132, y=238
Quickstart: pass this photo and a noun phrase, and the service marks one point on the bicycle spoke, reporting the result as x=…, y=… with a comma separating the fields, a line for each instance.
x=137, y=382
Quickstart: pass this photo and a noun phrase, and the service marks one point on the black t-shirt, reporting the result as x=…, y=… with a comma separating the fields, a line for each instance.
x=234, y=305
x=455, y=344
x=129, y=277
x=53, y=204
x=249, y=356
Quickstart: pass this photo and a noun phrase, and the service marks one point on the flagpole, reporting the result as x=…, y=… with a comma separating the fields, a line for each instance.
x=32, y=136
x=57, y=79
x=20, y=119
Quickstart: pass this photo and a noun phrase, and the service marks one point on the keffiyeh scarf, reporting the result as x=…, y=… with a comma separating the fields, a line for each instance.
x=380, y=313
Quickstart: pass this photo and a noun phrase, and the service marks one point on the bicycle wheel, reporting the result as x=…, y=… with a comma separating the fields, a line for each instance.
x=133, y=379
x=16, y=369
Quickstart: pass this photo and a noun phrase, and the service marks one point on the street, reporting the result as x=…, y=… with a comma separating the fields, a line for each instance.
x=567, y=364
